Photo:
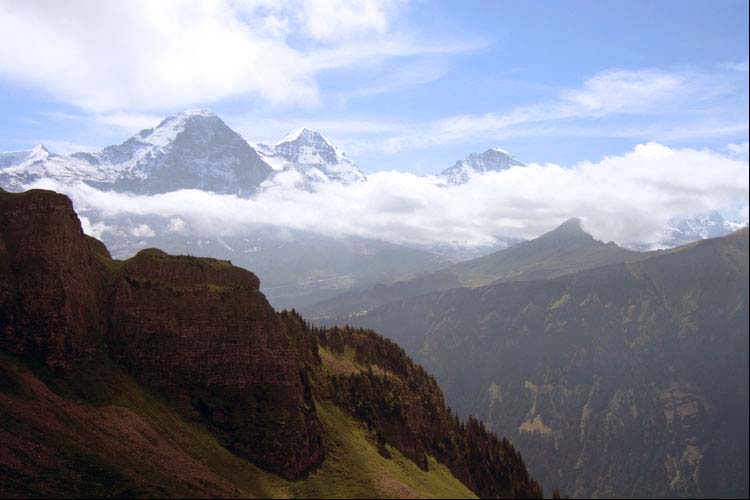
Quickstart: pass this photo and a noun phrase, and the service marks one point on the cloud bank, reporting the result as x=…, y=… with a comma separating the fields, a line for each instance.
x=144, y=55
x=627, y=199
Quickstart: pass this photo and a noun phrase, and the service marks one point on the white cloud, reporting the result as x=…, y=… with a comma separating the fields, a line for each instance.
x=105, y=57
x=739, y=148
x=621, y=91
x=142, y=231
x=340, y=19
x=96, y=229
x=609, y=93
x=177, y=225
x=627, y=199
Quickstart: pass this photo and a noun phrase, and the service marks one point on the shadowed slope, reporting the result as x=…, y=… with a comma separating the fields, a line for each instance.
x=172, y=376
x=629, y=379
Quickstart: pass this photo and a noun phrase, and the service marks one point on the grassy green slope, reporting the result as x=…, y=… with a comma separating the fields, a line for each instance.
x=97, y=432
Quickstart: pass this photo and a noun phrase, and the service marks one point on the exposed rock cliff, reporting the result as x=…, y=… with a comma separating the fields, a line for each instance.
x=200, y=331
x=205, y=343
x=51, y=281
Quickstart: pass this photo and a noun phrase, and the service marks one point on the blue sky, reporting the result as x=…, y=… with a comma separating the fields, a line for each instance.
x=411, y=86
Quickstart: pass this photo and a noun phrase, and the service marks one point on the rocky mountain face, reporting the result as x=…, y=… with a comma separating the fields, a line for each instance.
x=314, y=156
x=564, y=250
x=52, y=293
x=167, y=375
x=238, y=365
x=190, y=150
x=10, y=158
x=688, y=229
x=626, y=380
x=492, y=160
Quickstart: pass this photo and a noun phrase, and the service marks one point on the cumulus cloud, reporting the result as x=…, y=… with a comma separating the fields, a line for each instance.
x=177, y=225
x=105, y=57
x=142, y=231
x=628, y=199
x=96, y=229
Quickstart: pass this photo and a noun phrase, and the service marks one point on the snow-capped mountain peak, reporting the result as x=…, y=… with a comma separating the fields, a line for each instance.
x=313, y=155
x=194, y=149
x=699, y=227
x=169, y=128
x=494, y=159
x=302, y=133
x=501, y=150
x=24, y=157
x=38, y=152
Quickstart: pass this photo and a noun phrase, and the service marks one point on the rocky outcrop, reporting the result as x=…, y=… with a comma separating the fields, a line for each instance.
x=200, y=331
x=197, y=330
x=51, y=280
x=199, y=335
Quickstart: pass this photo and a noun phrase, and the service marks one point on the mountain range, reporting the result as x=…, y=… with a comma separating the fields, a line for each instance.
x=688, y=229
x=190, y=150
x=296, y=268
x=624, y=380
x=564, y=250
x=172, y=376
x=196, y=150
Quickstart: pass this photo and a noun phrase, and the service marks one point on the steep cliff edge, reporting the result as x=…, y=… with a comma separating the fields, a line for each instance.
x=173, y=376
x=200, y=332
x=51, y=281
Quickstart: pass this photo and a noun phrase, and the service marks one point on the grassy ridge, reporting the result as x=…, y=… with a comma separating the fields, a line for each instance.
x=117, y=439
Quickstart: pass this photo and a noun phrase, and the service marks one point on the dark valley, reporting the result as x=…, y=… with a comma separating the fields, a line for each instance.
x=626, y=380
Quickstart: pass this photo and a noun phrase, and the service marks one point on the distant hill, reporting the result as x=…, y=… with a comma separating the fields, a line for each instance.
x=564, y=250
x=626, y=380
x=296, y=268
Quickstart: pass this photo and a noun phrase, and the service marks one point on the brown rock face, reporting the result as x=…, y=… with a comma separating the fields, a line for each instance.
x=200, y=334
x=50, y=280
x=197, y=330
x=200, y=331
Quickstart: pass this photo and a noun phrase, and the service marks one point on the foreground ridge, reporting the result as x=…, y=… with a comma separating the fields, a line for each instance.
x=173, y=376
